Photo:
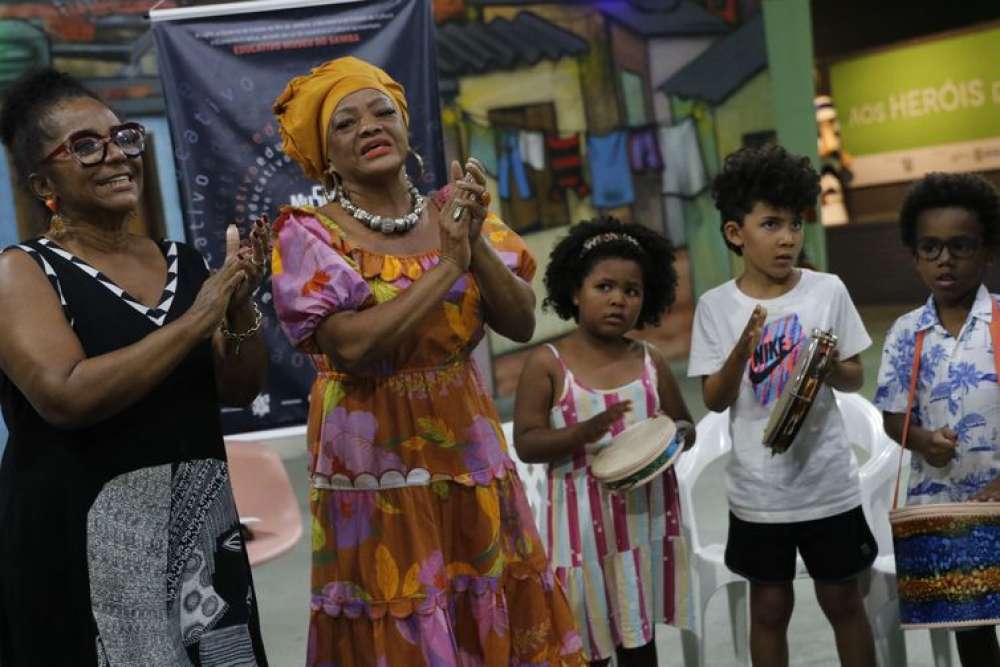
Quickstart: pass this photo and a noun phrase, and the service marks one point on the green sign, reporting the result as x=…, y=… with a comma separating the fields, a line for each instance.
x=938, y=92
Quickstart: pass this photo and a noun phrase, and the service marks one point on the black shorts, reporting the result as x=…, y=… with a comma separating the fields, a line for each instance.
x=833, y=548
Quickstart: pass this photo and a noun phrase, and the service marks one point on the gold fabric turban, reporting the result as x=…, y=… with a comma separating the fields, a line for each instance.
x=306, y=104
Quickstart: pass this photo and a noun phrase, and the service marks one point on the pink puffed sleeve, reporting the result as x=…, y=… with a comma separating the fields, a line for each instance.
x=511, y=247
x=310, y=279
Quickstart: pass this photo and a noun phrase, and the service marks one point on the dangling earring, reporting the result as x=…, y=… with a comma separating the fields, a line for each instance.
x=332, y=191
x=420, y=164
x=57, y=225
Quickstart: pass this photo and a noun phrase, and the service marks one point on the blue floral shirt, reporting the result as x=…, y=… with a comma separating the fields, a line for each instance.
x=957, y=388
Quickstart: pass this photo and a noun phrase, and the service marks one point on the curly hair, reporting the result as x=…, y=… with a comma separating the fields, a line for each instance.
x=938, y=190
x=26, y=106
x=767, y=173
x=573, y=258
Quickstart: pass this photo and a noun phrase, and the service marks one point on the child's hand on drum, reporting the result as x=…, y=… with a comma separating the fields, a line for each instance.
x=990, y=494
x=594, y=428
x=832, y=364
x=941, y=448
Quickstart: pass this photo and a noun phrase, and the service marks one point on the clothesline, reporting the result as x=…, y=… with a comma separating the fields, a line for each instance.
x=612, y=159
x=482, y=121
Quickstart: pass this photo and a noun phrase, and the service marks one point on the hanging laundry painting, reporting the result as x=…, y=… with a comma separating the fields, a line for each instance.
x=683, y=171
x=566, y=166
x=610, y=176
x=644, y=149
x=511, y=165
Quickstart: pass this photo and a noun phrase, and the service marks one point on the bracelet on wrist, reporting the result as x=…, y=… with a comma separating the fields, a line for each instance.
x=239, y=337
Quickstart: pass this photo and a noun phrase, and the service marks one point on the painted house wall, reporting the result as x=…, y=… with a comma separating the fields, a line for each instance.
x=557, y=83
x=720, y=132
x=630, y=52
x=667, y=55
x=748, y=110
x=597, y=80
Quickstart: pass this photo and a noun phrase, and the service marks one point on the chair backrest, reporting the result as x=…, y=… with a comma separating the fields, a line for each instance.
x=262, y=489
x=863, y=422
x=713, y=443
x=534, y=477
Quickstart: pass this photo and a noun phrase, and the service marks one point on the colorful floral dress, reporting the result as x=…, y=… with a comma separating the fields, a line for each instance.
x=424, y=549
x=621, y=556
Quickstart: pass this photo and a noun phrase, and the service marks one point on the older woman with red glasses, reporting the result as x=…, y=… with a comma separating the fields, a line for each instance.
x=119, y=538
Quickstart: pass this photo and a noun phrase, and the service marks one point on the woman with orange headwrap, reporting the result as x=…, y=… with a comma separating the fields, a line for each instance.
x=424, y=550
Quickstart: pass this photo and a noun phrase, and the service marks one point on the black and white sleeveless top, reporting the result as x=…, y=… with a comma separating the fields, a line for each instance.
x=120, y=542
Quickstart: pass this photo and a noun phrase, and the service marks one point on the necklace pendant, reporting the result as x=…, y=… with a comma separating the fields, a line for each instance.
x=382, y=224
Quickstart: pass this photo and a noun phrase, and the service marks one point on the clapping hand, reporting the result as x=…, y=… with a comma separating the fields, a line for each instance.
x=470, y=191
x=752, y=332
x=252, y=254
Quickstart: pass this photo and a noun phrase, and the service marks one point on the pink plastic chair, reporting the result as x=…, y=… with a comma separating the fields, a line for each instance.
x=265, y=500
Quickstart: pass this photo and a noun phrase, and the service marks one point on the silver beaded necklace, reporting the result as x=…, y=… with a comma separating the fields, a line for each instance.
x=387, y=225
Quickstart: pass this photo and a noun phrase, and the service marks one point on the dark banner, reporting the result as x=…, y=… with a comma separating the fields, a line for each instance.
x=220, y=76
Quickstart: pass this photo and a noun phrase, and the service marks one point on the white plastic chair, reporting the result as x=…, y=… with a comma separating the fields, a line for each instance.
x=863, y=423
x=534, y=477
x=708, y=569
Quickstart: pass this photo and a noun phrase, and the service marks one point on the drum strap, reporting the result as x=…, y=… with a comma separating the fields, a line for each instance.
x=914, y=374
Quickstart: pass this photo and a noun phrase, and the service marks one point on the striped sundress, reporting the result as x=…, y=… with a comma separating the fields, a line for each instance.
x=620, y=556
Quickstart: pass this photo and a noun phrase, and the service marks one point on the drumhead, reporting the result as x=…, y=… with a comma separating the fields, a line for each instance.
x=634, y=448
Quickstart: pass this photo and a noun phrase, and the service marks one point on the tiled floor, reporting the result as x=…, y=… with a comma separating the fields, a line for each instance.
x=283, y=584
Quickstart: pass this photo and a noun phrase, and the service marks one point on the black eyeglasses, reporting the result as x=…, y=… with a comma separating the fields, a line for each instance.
x=959, y=247
x=91, y=149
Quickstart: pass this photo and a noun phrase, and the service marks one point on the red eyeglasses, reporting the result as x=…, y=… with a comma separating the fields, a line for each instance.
x=91, y=149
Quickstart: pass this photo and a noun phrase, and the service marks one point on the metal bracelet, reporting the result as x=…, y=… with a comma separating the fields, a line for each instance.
x=238, y=338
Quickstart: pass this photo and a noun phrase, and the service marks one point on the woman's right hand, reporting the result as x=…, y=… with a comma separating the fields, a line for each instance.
x=455, y=244
x=209, y=307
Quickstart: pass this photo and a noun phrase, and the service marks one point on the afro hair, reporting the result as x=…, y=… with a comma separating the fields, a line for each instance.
x=938, y=190
x=768, y=174
x=573, y=258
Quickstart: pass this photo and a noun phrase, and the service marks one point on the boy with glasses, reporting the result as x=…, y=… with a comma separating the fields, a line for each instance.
x=951, y=223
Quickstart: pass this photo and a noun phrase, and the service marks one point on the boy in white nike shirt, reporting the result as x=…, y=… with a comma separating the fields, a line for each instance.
x=747, y=335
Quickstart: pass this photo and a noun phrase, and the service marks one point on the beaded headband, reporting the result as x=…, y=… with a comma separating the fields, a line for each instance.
x=607, y=237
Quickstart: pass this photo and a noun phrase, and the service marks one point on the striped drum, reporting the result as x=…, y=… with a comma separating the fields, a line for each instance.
x=948, y=564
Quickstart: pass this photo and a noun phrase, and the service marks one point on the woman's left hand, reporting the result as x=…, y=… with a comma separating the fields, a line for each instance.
x=254, y=254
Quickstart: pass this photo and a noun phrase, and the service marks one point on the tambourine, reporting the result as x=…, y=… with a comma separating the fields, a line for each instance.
x=640, y=453
x=795, y=401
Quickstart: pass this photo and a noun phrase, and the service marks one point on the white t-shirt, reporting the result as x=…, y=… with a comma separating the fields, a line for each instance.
x=817, y=476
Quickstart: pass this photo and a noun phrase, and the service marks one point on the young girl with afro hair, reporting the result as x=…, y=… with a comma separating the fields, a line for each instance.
x=618, y=554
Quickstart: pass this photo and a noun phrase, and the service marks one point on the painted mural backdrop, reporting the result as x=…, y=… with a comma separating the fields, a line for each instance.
x=622, y=107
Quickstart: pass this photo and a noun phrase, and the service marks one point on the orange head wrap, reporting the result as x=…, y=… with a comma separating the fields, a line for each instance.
x=306, y=104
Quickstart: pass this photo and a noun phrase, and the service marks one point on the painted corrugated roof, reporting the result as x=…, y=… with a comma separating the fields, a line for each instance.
x=479, y=48
x=723, y=67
